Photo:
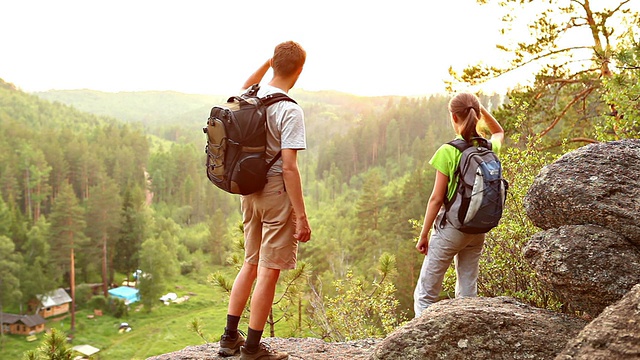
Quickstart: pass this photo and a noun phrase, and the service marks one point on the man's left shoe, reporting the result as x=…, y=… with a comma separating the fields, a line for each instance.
x=230, y=346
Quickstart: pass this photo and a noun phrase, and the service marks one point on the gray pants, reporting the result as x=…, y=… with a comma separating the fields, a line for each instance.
x=446, y=244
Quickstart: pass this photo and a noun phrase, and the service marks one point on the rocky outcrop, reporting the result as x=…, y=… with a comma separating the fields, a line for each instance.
x=587, y=266
x=481, y=328
x=596, y=184
x=615, y=334
x=589, y=203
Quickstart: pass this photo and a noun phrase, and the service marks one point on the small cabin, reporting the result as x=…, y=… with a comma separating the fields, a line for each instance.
x=22, y=324
x=53, y=303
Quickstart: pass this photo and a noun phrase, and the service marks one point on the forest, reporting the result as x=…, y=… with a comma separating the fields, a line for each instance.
x=95, y=186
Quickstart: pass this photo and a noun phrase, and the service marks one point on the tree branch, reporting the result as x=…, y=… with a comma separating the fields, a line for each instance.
x=577, y=98
x=578, y=139
x=551, y=53
x=610, y=13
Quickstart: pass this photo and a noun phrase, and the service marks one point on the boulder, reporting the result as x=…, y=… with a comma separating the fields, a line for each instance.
x=480, y=328
x=595, y=184
x=615, y=334
x=587, y=266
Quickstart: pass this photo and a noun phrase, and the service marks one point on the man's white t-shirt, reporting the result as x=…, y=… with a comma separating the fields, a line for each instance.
x=285, y=128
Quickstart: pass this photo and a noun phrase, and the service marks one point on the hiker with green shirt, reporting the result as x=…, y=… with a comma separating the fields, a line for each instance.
x=443, y=243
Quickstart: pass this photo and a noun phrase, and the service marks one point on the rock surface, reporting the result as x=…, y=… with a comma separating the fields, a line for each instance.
x=307, y=349
x=481, y=328
x=587, y=266
x=595, y=184
x=615, y=334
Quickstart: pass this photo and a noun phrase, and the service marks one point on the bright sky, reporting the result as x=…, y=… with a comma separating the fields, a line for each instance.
x=364, y=47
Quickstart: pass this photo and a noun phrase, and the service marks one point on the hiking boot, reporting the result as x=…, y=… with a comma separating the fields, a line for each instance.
x=264, y=352
x=230, y=346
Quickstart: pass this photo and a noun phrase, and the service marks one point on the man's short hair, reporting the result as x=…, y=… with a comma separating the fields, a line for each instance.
x=288, y=57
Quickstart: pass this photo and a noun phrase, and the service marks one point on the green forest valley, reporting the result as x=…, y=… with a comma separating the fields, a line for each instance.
x=103, y=190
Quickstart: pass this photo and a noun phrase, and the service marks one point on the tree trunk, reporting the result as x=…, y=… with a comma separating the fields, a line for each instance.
x=72, y=280
x=299, y=314
x=36, y=214
x=27, y=198
x=105, y=287
x=272, y=325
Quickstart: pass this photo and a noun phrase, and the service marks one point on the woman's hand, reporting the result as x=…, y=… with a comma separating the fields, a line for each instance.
x=423, y=244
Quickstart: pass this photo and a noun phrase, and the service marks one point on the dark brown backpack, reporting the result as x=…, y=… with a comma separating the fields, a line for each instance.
x=237, y=142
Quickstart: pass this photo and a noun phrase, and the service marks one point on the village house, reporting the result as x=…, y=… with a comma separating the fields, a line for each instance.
x=22, y=324
x=53, y=303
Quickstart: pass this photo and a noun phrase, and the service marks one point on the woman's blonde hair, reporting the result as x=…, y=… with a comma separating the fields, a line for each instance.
x=288, y=57
x=466, y=108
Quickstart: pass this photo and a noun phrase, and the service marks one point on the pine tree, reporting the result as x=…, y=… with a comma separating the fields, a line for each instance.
x=103, y=213
x=38, y=275
x=130, y=238
x=67, y=234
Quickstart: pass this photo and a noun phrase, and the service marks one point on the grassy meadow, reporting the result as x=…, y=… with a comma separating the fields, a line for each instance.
x=165, y=329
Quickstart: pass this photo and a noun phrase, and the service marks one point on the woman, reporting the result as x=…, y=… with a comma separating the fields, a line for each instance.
x=446, y=242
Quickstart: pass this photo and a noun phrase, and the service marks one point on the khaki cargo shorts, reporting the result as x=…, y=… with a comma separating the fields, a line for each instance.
x=269, y=227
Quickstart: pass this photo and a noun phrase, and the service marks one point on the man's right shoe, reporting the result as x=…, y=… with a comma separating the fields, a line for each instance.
x=230, y=346
x=264, y=352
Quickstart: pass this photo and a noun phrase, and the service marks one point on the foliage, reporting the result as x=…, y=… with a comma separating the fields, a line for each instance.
x=83, y=293
x=117, y=307
x=130, y=236
x=103, y=212
x=358, y=310
x=622, y=92
x=10, y=265
x=97, y=302
x=504, y=270
x=54, y=347
x=197, y=326
x=566, y=96
x=38, y=275
x=157, y=269
x=52, y=154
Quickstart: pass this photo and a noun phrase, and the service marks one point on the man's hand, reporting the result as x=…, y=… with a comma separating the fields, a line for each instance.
x=303, y=230
x=257, y=76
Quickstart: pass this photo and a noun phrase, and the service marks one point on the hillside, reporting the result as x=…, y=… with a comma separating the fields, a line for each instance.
x=180, y=117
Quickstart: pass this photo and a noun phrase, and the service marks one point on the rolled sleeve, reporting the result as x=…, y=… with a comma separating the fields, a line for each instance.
x=293, y=130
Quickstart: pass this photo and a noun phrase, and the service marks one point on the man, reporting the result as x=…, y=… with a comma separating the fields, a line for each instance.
x=275, y=218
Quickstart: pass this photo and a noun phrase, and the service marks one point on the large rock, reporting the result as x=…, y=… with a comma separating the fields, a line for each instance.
x=596, y=184
x=587, y=266
x=615, y=334
x=480, y=328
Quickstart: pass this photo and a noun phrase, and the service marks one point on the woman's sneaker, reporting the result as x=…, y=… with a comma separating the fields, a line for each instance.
x=230, y=346
x=264, y=352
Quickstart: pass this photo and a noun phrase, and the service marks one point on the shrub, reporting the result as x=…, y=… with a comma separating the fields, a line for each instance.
x=98, y=302
x=117, y=307
x=359, y=310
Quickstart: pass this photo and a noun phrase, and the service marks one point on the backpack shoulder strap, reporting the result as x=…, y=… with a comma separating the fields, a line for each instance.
x=462, y=145
x=483, y=142
x=276, y=97
x=459, y=144
x=268, y=101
